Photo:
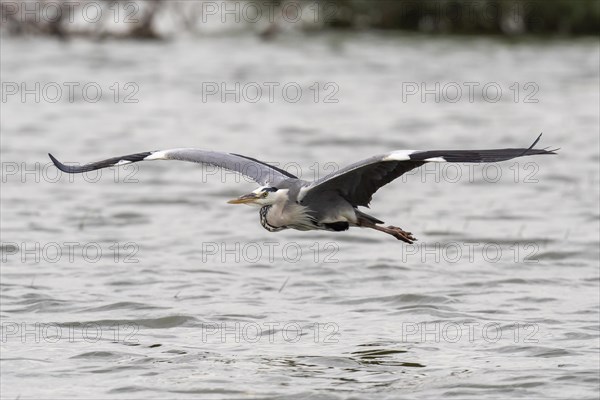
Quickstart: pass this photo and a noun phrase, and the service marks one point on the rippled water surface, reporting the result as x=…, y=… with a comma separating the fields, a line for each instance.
x=190, y=297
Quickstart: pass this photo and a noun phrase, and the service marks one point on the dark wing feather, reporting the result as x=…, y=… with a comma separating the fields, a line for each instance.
x=358, y=182
x=110, y=162
x=256, y=170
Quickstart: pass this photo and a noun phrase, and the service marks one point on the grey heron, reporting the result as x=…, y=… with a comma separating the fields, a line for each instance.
x=329, y=203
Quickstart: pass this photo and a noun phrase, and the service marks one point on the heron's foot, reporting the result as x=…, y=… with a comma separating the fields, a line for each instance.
x=400, y=234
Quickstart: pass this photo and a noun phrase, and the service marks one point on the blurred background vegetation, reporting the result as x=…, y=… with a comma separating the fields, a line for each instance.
x=157, y=19
x=473, y=16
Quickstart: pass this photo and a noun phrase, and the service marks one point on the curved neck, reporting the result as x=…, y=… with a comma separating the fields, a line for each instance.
x=264, y=212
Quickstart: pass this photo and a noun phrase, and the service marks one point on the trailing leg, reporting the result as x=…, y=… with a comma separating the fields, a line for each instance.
x=396, y=232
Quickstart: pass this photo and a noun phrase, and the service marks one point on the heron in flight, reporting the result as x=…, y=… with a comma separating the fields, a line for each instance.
x=329, y=203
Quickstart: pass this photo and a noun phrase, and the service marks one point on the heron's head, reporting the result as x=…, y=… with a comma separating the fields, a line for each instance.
x=263, y=196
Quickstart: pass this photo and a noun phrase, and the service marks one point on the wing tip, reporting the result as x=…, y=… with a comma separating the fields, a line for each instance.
x=542, y=151
x=58, y=164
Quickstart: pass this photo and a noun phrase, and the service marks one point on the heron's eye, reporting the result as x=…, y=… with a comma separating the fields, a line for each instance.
x=265, y=194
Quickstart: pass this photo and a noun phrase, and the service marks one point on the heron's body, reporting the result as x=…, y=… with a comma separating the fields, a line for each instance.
x=288, y=212
x=330, y=203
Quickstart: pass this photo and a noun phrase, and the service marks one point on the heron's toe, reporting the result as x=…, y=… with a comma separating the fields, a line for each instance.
x=400, y=234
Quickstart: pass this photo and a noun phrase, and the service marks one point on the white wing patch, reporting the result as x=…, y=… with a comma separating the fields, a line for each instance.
x=404, y=155
x=303, y=191
x=157, y=155
x=123, y=162
x=435, y=159
x=399, y=155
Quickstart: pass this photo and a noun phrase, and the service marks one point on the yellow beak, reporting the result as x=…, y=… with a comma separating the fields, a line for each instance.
x=247, y=198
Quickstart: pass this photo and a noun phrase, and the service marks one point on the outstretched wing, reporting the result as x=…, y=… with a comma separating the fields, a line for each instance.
x=359, y=181
x=256, y=170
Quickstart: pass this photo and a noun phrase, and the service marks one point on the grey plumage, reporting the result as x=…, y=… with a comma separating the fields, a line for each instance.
x=329, y=203
x=258, y=171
